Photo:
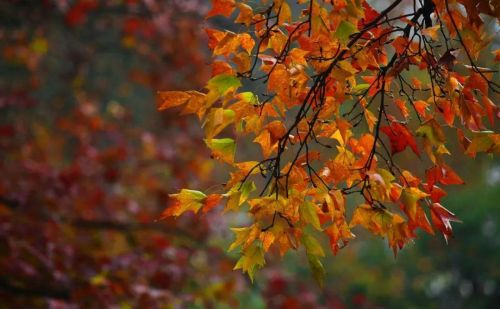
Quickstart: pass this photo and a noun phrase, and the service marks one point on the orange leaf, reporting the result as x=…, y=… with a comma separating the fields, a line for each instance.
x=264, y=139
x=421, y=107
x=172, y=98
x=211, y=202
x=401, y=104
x=221, y=7
x=246, y=14
x=432, y=32
x=400, y=44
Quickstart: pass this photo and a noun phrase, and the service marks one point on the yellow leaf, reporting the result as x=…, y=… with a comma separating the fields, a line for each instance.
x=246, y=41
x=285, y=13
x=237, y=196
x=252, y=259
x=376, y=220
x=246, y=14
x=298, y=56
x=267, y=239
x=196, y=104
x=186, y=200
x=216, y=120
x=409, y=198
x=371, y=120
x=279, y=79
x=227, y=45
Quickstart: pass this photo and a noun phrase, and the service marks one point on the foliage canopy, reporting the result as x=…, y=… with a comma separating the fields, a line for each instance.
x=346, y=90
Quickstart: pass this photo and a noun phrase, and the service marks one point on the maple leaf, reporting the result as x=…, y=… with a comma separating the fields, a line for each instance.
x=221, y=7
x=308, y=213
x=441, y=218
x=172, y=98
x=376, y=220
x=432, y=32
x=252, y=259
x=324, y=73
x=186, y=200
x=246, y=14
x=399, y=234
x=442, y=174
x=344, y=31
x=314, y=251
x=400, y=138
x=220, y=85
x=239, y=194
x=409, y=198
x=223, y=149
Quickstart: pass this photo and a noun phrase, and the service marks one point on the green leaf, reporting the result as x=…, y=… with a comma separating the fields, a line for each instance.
x=344, y=31
x=222, y=149
x=360, y=88
x=317, y=269
x=309, y=215
x=220, y=85
x=249, y=97
x=312, y=245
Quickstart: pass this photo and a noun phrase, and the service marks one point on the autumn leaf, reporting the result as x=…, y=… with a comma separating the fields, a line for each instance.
x=442, y=174
x=376, y=220
x=223, y=149
x=432, y=32
x=238, y=195
x=336, y=85
x=313, y=252
x=221, y=7
x=317, y=269
x=246, y=14
x=441, y=218
x=185, y=200
x=171, y=99
x=344, y=31
x=252, y=259
x=409, y=199
x=400, y=138
x=220, y=85
x=308, y=213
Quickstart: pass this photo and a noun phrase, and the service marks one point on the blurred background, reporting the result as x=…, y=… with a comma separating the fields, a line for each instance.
x=87, y=163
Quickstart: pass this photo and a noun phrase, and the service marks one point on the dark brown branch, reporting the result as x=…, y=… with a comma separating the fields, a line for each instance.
x=45, y=291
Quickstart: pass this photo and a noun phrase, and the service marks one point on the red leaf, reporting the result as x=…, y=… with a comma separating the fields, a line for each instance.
x=400, y=138
x=442, y=174
x=441, y=218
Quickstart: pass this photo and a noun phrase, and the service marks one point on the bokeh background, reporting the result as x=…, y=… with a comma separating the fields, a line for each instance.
x=87, y=163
